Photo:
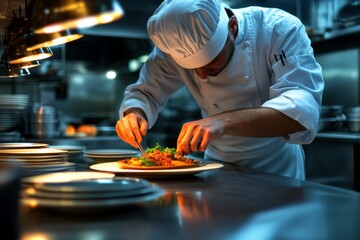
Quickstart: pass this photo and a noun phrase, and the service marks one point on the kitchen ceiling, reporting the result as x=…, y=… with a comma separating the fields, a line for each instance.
x=133, y=24
x=6, y=13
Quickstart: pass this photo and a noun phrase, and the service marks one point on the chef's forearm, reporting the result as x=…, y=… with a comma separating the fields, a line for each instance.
x=259, y=122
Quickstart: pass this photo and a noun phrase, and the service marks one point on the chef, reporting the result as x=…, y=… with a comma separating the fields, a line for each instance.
x=251, y=71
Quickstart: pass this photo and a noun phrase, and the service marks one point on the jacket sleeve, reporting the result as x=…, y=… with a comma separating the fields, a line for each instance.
x=296, y=83
x=156, y=83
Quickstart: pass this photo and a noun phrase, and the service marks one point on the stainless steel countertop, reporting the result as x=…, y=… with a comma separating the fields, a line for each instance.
x=228, y=203
x=339, y=135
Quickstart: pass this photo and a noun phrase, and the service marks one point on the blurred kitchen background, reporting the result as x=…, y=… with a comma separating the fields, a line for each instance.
x=83, y=84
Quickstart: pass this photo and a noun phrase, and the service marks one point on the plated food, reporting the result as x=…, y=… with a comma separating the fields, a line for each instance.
x=158, y=158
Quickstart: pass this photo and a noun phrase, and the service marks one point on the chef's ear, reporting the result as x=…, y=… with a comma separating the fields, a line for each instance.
x=233, y=25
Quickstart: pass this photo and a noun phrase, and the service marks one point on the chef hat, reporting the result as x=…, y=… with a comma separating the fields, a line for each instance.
x=193, y=32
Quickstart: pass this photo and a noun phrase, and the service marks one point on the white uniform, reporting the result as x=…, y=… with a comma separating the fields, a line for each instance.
x=273, y=66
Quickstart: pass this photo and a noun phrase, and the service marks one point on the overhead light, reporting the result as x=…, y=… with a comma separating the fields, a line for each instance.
x=110, y=74
x=26, y=64
x=35, y=41
x=56, y=16
x=8, y=71
x=5, y=62
x=18, y=53
x=14, y=70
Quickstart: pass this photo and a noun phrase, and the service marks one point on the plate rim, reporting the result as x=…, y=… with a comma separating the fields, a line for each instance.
x=159, y=172
x=65, y=187
x=100, y=203
x=102, y=174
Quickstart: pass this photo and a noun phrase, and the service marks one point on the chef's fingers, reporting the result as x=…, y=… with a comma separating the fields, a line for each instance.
x=195, y=139
x=143, y=126
x=204, y=142
x=184, y=139
x=124, y=131
x=131, y=128
x=138, y=126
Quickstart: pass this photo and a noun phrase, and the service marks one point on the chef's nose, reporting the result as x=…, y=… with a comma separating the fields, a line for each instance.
x=202, y=73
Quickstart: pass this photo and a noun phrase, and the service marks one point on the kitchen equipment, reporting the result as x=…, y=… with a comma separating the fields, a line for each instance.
x=42, y=121
x=353, y=118
x=349, y=14
x=332, y=118
x=12, y=112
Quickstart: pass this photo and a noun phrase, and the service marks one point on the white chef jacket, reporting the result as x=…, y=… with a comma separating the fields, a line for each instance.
x=273, y=66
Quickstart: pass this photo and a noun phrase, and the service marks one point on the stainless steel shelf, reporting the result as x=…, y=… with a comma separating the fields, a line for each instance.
x=348, y=136
x=342, y=32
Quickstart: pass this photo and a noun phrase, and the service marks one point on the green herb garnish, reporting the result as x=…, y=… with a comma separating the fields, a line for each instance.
x=146, y=162
x=160, y=148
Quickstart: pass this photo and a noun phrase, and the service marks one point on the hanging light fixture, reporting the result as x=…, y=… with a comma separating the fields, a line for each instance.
x=15, y=70
x=35, y=41
x=30, y=64
x=56, y=16
x=18, y=53
x=16, y=50
x=6, y=72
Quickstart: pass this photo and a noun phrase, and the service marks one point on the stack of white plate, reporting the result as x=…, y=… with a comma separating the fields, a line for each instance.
x=35, y=161
x=76, y=155
x=96, y=194
x=110, y=155
x=22, y=145
x=74, y=152
x=11, y=110
x=10, y=119
x=14, y=101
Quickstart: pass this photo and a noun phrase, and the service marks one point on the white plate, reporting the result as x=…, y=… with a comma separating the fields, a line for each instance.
x=33, y=151
x=94, y=204
x=68, y=148
x=52, y=166
x=113, y=167
x=36, y=193
x=32, y=159
x=28, y=171
x=25, y=163
x=95, y=185
x=110, y=152
x=22, y=145
x=66, y=177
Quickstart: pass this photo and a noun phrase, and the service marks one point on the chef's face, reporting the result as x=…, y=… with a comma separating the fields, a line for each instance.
x=222, y=59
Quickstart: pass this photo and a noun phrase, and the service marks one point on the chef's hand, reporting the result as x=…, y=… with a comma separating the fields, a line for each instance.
x=196, y=135
x=132, y=127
